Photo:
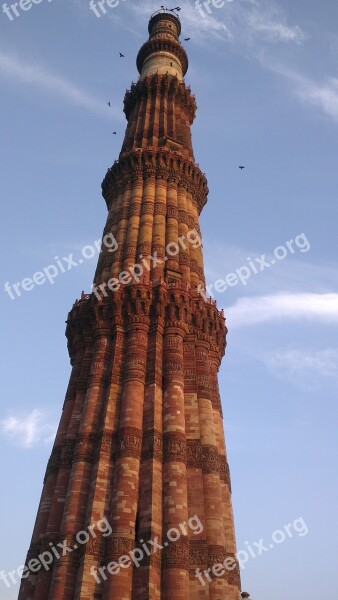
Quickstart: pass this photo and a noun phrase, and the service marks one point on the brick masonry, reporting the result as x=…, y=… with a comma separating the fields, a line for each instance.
x=141, y=438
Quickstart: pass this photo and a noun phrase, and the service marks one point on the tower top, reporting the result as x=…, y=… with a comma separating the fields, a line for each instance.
x=163, y=52
x=165, y=15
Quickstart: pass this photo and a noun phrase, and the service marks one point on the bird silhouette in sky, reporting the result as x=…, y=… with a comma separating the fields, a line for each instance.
x=187, y=39
x=241, y=167
x=109, y=104
x=122, y=55
x=114, y=132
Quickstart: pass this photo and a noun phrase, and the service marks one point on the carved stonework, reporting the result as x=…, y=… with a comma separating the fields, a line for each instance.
x=106, y=441
x=152, y=447
x=145, y=351
x=210, y=460
x=129, y=443
x=67, y=453
x=234, y=576
x=160, y=209
x=176, y=554
x=194, y=454
x=174, y=447
x=216, y=555
x=198, y=554
x=85, y=448
x=95, y=547
x=224, y=471
x=188, y=175
x=118, y=546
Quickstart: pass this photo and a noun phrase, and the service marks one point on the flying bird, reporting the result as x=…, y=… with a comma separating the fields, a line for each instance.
x=114, y=132
x=187, y=39
x=122, y=55
x=241, y=167
x=109, y=104
x=173, y=9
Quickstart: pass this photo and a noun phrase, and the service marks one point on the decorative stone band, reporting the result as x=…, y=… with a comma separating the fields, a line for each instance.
x=154, y=560
x=117, y=545
x=85, y=448
x=174, y=447
x=167, y=85
x=165, y=164
x=95, y=548
x=208, y=460
x=162, y=45
x=198, y=554
x=134, y=304
x=224, y=473
x=152, y=446
x=105, y=443
x=176, y=554
x=129, y=443
x=67, y=453
x=218, y=555
x=72, y=555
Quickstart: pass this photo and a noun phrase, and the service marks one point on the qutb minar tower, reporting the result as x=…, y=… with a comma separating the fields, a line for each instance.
x=140, y=441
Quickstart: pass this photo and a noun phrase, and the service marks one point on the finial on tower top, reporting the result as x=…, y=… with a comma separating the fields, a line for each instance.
x=165, y=15
x=163, y=52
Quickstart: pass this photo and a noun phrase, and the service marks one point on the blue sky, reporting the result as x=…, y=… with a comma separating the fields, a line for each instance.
x=266, y=82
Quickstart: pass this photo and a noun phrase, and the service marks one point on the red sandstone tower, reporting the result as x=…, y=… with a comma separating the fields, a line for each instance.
x=141, y=439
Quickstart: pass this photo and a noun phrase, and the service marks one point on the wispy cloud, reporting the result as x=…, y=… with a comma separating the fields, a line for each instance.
x=252, y=28
x=304, y=368
x=262, y=309
x=322, y=95
x=201, y=29
x=27, y=430
x=295, y=273
x=239, y=22
x=269, y=23
x=304, y=362
x=32, y=74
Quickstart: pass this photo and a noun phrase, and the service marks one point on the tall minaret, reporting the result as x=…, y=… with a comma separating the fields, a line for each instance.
x=140, y=443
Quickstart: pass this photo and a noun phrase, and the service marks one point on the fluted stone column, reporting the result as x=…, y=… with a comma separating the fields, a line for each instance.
x=172, y=247
x=159, y=227
x=146, y=226
x=175, y=570
x=65, y=570
x=124, y=498
x=104, y=465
